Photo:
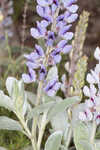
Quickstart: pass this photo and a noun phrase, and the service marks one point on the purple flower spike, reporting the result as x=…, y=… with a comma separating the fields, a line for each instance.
x=51, y=38
x=30, y=77
x=44, y=2
x=52, y=87
x=42, y=73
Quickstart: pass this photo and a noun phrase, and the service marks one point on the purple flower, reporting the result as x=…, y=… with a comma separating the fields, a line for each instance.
x=54, y=5
x=56, y=57
x=42, y=73
x=72, y=18
x=30, y=77
x=65, y=34
x=52, y=87
x=46, y=13
x=72, y=8
x=64, y=46
x=44, y=2
x=33, y=58
x=50, y=38
x=68, y=2
x=38, y=32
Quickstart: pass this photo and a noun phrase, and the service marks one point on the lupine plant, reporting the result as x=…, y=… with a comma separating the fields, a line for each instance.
x=71, y=125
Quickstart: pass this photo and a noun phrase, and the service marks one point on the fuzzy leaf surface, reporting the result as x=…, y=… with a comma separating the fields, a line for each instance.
x=9, y=124
x=54, y=141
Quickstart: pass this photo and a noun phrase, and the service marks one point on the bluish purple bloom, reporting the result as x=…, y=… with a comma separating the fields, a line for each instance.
x=44, y=2
x=50, y=38
x=54, y=6
x=68, y=2
x=38, y=32
x=56, y=57
x=64, y=46
x=65, y=34
x=30, y=77
x=46, y=13
x=52, y=87
x=60, y=29
x=42, y=72
x=71, y=18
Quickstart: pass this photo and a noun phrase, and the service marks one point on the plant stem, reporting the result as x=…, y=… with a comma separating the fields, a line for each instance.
x=93, y=132
x=69, y=137
x=42, y=129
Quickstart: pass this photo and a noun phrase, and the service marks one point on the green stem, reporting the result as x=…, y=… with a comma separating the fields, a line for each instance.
x=69, y=137
x=93, y=132
x=42, y=129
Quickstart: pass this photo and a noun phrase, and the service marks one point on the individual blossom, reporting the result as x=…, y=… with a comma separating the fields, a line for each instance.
x=44, y=2
x=52, y=87
x=46, y=13
x=50, y=38
x=42, y=72
x=30, y=77
x=38, y=32
x=65, y=48
x=34, y=61
x=55, y=56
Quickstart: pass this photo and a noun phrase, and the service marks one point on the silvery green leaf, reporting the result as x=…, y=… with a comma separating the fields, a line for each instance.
x=60, y=121
x=86, y=145
x=75, y=113
x=31, y=97
x=46, y=98
x=82, y=134
x=9, y=124
x=40, y=109
x=19, y=96
x=53, y=73
x=6, y=102
x=54, y=141
x=97, y=144
x=9, y=84
x=62, y=106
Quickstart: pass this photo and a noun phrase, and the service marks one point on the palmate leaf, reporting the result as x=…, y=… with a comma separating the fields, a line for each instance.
x=6, y=101
x=9, y=124
x=62, y=106
x=54, y=141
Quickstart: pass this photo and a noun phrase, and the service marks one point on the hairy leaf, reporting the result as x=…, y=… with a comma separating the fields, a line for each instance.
x=54, y=141
x=6, y=102
x=9, y=124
